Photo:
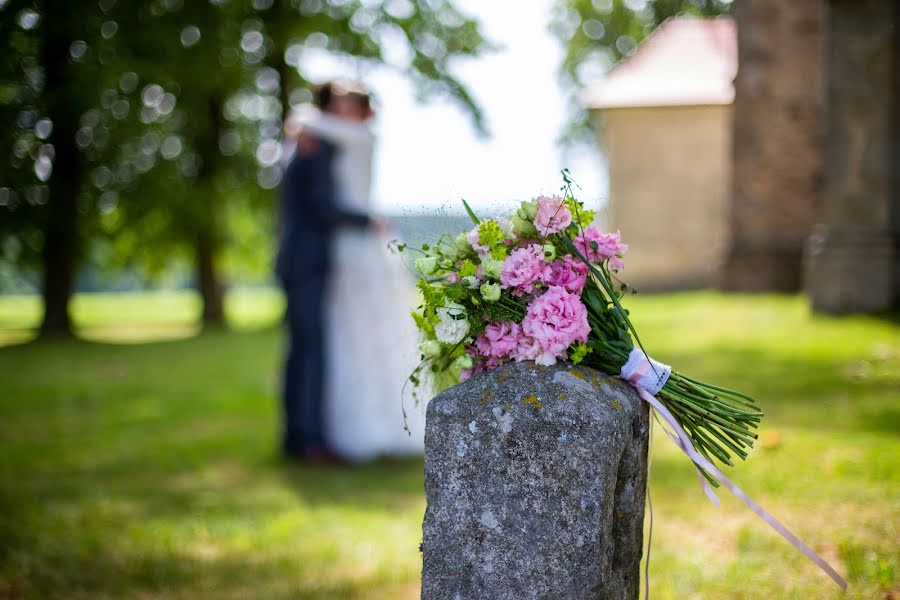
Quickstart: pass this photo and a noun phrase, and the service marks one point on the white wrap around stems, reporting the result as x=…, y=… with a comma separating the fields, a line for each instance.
x=641, y=368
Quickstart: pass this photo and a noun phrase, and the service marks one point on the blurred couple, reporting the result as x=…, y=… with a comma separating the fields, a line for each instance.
x=351, y=342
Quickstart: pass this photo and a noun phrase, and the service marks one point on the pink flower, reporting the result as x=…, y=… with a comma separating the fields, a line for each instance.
x=527, y=349
x=555, y=320
x=608, y=246
x=522, y=268
x=452, y=277
x=498, y=340
x=472, y=238
x=552, y=215
x=569, y=272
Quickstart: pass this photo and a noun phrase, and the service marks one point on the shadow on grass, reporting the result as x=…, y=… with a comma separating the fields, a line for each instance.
x=110, y=573
x=384, y=484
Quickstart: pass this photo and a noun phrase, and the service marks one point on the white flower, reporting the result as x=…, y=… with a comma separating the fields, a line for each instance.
x=453, y=325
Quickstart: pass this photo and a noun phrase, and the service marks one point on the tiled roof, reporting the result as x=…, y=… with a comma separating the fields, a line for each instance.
x=685, y=61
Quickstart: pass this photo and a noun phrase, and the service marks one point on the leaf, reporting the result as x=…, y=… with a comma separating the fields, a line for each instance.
x=472, y=214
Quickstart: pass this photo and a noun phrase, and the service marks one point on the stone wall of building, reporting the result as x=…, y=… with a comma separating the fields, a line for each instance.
x=670, y=173
x=853, y=254
x=779, y=129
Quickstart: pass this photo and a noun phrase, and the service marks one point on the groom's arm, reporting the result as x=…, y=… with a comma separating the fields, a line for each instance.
x=323, y=209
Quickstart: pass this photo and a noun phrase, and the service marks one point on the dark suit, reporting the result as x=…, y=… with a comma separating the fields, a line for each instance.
x=309, y=214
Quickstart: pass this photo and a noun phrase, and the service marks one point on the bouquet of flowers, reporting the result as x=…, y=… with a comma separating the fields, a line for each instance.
x=543, y=285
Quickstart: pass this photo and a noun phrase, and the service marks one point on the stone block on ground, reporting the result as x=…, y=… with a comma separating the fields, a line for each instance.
x=535, y=480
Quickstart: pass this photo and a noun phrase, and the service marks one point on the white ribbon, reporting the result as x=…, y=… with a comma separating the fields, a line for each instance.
x=643, y=371
x=680, y=438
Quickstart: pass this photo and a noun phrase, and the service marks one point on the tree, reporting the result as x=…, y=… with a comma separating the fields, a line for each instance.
x=599, y=33
x=146, y=123
x=230, y=123
x=55, y=59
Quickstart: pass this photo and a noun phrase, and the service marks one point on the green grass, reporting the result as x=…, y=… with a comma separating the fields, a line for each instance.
x=139, y=470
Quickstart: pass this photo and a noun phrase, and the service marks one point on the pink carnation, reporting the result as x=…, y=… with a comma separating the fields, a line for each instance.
x=528, y=348
x=472, y=238
x=608, y=246
x=555, y=320
x=522, y=268
x=552, y=215
x=570, y=273
x=498, y=340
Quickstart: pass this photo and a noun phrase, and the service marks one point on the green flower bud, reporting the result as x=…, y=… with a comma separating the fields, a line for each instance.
x=490, y=292
x=528, y=210
x=549, y=252
x=426, y=265
x=490, y=267
x=470, y=282
x=430, y=348
x=463, y=362
x=523, y=226
x=462, y=244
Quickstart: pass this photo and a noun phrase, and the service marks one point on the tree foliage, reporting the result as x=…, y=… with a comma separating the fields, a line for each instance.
x=137, y=131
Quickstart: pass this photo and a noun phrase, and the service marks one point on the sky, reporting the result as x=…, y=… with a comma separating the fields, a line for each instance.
x=429, y=155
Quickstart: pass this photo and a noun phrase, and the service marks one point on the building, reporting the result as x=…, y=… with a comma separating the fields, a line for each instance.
x=664, y=117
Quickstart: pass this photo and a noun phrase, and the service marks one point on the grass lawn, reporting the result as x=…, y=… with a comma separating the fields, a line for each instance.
x=140, y=462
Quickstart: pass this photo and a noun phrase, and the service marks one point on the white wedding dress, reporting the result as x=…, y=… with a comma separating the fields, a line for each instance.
x=370, y=336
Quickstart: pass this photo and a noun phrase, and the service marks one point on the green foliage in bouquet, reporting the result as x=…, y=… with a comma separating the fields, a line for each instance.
x=543, y=285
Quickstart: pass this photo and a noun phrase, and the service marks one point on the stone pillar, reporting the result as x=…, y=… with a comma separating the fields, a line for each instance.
x=535, y=480
x=852, y=261
x=777, y=144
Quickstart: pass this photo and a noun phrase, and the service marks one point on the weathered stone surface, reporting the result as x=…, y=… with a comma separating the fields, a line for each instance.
x=535, y=480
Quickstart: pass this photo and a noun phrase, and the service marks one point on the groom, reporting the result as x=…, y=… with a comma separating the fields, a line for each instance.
x=309, y=213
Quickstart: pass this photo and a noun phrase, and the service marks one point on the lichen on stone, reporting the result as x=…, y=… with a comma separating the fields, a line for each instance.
x=531, y=400
x=487, y=396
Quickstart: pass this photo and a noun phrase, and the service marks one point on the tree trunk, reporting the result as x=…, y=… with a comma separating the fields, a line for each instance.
x=208, y=229
x=60, y=226
x=208, y=283
x=58, y=258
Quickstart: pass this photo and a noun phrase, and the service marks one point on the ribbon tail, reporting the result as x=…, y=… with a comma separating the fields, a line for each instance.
x=684, y=443
x=707, y=489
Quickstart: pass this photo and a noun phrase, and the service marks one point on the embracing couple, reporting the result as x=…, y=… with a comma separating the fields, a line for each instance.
x=348, y=298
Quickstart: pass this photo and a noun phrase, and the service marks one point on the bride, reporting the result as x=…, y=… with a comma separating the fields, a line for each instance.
x=369, y=332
